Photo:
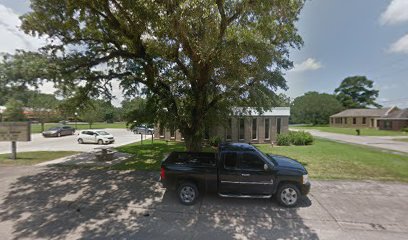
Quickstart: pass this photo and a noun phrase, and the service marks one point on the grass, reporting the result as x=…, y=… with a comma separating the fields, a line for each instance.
x=327, y=159
x=352, y=131
x=36, y=128
x=149, y=155
x=324, y=160
x=30, y=158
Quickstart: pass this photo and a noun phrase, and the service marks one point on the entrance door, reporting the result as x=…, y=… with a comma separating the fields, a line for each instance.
x=278, y=125
x=372, y=123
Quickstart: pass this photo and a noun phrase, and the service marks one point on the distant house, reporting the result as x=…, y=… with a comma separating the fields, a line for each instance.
x=395, y=120
x=250, y=128
x=385, y=118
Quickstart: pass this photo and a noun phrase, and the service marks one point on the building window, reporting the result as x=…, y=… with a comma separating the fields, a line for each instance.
x=172, y=133
x=364, y=120
x=338, y=120
x=354, y=121
x=241, y=129
x=229, y=130
x=388, y=124
x=278, y=125
x=267, y=128
x=345, y=120
x=206, y=133
x=161, y=131
x=254, y=129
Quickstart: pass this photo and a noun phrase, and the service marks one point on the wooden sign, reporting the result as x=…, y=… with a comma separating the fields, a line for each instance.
x=15, y=132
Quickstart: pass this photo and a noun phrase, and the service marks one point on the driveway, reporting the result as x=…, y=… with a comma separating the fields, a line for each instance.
x=55, y=203
x=372, y=141
x=68, y=143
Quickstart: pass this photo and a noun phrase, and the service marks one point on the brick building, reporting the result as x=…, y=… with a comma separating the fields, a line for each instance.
x=251, y=128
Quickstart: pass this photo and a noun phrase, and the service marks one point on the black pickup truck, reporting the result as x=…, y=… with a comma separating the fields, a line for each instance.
x=236, y=170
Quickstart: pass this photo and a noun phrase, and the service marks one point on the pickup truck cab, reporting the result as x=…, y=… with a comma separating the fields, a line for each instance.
x=236, y=170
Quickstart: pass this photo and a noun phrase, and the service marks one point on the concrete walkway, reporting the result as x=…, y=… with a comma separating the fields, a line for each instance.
x=56, y=203
x=378, y=142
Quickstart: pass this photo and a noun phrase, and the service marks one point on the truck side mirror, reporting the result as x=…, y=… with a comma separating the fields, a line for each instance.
x=266, y=167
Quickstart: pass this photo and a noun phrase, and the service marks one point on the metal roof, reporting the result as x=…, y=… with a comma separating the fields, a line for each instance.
x=276, y=111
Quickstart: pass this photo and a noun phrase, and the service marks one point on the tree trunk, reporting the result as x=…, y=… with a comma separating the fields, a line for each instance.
x=42, y=126
x=193, y=142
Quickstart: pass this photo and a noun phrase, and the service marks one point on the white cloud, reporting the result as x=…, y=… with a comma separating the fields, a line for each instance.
x=400, y=46
x=309, y=64
x=396, y=12
x=12, y=37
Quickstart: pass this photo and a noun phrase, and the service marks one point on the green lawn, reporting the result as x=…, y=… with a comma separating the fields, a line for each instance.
x=352, y=131
x=324, y=160
x=36, y=128
x=148, y=156
x=327, y=159
x=30, y=158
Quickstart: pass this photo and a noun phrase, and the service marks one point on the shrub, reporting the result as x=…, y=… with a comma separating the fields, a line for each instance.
x=283, y=140
x=405, y=129
x=215, y=141
x=301, y=138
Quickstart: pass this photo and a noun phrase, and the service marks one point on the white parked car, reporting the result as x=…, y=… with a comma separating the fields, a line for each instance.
x=95, y=136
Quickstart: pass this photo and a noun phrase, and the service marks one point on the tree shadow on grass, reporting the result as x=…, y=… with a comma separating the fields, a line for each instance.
x=94, y=204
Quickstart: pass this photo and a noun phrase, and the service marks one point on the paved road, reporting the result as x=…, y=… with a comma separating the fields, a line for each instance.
x=68, y=143
x=378, y=142
x=54, y=203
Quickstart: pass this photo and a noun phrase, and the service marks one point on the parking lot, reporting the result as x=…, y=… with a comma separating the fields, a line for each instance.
x=57, y=203
x=69, y=143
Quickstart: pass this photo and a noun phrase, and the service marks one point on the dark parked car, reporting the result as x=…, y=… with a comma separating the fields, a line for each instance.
x=143, y=130
x=236, y=170
x=59, y=131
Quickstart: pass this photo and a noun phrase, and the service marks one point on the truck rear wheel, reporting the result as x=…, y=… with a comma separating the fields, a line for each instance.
x=288, y=195
x=187, y=193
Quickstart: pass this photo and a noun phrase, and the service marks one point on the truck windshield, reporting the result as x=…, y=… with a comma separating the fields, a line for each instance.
x=265, y=156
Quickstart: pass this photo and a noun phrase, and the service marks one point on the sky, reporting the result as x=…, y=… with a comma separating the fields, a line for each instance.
x=341, y=38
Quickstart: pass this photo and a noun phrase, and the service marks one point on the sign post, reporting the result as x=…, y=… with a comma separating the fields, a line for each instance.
x=15, y=132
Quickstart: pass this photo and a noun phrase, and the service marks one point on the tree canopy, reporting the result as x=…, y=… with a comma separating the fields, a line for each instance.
x=357, y=92
x=314, y=108
x=194, y=59
x=14, y=111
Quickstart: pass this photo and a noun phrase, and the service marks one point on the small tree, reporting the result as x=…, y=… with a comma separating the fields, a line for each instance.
x=357, y=92
x=92, y=112
x=14, y=111
x=43, y=107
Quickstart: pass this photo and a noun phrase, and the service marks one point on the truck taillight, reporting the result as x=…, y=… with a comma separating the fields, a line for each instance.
x=162, y=173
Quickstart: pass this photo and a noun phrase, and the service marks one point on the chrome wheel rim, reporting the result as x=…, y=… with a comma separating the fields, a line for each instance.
x=187, y=194
x=289, y=196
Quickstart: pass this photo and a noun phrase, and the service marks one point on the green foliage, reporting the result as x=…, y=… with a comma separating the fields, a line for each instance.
x=314, y=108
x=14, y=111
x=298, y=138
x=405, y=130
x=215, y=141
x=357, y=92
x=301, y=138
x=283, y=139
x=196, y=60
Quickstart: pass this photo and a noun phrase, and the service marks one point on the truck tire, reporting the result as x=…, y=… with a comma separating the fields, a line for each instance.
x=187, y=193
x=288, y=195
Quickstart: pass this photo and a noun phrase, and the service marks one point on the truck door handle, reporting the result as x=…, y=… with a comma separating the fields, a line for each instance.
x=245, y=175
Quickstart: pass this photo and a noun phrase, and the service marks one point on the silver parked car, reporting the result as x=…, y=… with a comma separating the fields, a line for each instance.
x=143, y=129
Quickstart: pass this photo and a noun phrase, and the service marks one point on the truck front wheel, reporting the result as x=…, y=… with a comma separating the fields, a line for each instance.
x=288, y=195
x=187, y=193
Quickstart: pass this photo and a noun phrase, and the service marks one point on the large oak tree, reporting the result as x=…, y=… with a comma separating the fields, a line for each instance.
x=195, y=59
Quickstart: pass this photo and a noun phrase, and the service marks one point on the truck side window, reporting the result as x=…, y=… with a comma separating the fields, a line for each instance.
x=251, y=161
x=230, y=160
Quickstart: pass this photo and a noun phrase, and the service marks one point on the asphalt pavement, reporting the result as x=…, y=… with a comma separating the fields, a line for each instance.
x=69, y=143
x=58, y=203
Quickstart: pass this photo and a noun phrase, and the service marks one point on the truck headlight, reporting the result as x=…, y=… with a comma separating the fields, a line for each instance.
x=305, y=178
